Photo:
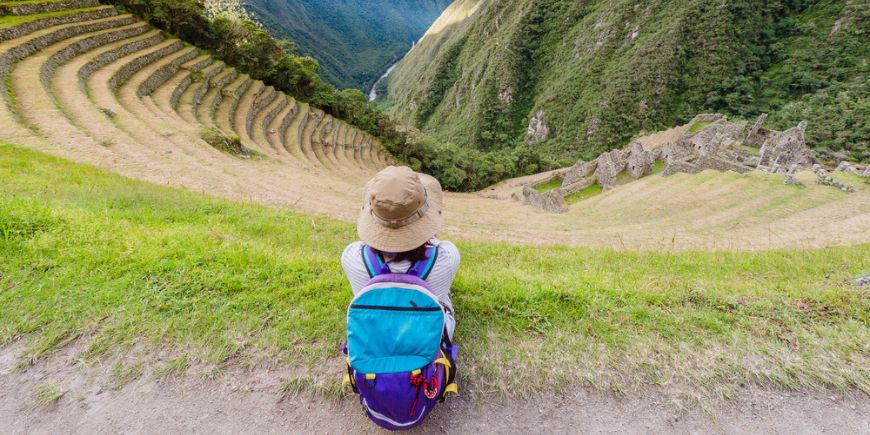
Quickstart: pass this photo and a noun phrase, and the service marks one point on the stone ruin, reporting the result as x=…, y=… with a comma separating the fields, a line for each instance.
x=719, y=144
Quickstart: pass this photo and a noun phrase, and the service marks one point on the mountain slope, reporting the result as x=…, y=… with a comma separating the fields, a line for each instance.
x=585, y=77
x=354, y=40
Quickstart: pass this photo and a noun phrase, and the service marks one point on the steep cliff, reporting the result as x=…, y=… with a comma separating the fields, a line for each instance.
x=567, y=79
x=354, y=40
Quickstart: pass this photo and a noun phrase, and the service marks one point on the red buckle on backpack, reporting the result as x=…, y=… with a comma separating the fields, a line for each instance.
x=434, y=392
x=421, y=382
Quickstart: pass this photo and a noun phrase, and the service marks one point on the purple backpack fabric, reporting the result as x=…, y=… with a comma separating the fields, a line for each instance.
x=400, y=359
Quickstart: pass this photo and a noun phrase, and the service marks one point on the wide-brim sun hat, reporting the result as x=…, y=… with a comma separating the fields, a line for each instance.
x=401, y=210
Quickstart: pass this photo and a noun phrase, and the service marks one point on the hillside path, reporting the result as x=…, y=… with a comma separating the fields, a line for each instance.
x=251, y=402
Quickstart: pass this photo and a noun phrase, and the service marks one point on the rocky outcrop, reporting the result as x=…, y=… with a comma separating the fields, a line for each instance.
x=538, y=130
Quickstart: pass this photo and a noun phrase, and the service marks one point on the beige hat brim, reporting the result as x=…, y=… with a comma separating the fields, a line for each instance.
x=406, y=238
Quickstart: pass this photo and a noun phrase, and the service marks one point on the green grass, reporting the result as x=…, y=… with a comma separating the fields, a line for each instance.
x=853, y=180
x=14, y=20
x=750, y=149
x=698, y=126
x=589, y=192
x=659, y=167
x=115, y=263
x=46, y=395
x=553, y=183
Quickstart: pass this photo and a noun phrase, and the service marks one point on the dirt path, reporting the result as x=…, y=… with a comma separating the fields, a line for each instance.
x=252, y=402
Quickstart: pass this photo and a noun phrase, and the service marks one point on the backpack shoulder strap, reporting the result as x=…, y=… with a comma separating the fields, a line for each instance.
x=373, y=261
x=423, y=268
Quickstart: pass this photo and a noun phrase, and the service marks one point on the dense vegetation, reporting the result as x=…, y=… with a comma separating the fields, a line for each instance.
x=605, y=71
x=355, y=40
x=252, y=50
x=125, y=268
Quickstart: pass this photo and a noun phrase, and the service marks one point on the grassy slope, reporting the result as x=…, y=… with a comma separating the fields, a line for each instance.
x=354, y=41
x=599, y=87
x=122, y=264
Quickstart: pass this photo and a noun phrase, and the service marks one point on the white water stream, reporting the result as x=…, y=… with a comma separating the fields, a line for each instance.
x=373, y=94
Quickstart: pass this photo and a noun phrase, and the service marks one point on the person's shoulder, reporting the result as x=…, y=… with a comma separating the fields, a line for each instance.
x=352, y=251
x=447, y=248
x=355, y=246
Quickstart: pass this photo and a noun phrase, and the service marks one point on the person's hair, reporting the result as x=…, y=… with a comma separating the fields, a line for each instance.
x=414, y=255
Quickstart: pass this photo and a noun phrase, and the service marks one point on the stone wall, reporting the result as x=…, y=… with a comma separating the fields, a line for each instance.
x=285, y=124
x=786, y=151
x=207, y=72
x=114, y=54
x=721, y=146
x=219, y=84
x=33, y=8
x=123, y=74
x=164, y=73
x=30, y=46
x=639, y=162
x=270, y=117
x=551, y=201
x=73, y=50
x=578, y=172
x=263, y=99
x=237, y=93
x=18, y=31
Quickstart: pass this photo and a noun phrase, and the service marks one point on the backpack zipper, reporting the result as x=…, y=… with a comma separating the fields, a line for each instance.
x=384, y=308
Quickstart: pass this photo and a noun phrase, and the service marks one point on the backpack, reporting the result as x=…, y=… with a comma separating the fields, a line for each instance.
x=400, y=360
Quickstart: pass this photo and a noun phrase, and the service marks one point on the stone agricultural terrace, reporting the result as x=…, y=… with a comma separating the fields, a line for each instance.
x=89, y=84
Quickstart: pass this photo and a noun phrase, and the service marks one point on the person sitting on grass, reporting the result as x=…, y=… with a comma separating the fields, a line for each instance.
x=400, y=217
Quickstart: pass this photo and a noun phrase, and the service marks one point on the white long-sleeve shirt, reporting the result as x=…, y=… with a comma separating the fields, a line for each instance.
x=440, y=278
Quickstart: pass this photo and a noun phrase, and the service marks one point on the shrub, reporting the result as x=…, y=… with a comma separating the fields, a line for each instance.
x=230, y=144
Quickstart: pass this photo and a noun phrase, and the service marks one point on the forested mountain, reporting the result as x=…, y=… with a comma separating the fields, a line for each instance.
x=505, y=87
x=354, y=40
